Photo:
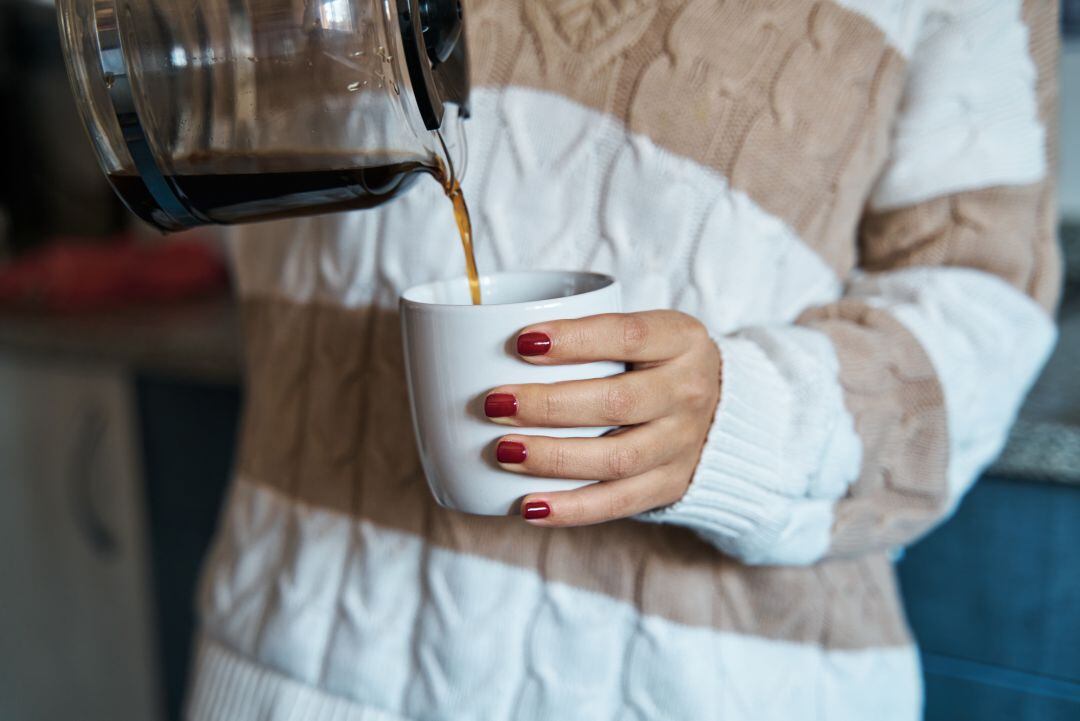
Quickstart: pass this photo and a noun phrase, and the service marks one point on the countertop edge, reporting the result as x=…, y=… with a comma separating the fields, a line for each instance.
x=1040, y=451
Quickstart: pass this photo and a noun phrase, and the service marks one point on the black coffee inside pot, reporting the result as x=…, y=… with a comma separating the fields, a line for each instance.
x=256, y=187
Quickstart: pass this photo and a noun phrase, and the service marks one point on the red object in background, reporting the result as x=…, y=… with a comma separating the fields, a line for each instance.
x=69, y=277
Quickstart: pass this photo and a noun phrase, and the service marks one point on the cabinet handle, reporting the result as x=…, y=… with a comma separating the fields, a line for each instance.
x=84, y=468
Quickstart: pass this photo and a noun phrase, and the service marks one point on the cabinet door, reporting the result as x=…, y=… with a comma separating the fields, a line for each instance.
x=75, y=616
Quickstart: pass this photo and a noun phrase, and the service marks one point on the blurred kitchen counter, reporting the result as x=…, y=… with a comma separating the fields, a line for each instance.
x=197, y=340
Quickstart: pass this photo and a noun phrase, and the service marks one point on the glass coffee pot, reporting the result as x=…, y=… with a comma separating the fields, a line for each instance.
x=228, y=111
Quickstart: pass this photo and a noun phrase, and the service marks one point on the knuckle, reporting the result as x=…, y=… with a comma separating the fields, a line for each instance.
x=559, y=460
x=618, y=403
x=619, y=505
x=581, y=510
x=551, y=407
x=574, y=512
x=622, y=460
x=696, y=330
x=698, y=391
x=571, y=339
x=635, y=333
x=578, y=339
x=670, y=491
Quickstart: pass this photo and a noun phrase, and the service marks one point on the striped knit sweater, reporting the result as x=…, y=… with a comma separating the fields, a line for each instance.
x=852, y=195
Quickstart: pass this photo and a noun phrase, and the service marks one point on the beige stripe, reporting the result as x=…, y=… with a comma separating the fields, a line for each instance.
x=1006, y=231
x=893, y=394
x=792, y=101
x=327, y=395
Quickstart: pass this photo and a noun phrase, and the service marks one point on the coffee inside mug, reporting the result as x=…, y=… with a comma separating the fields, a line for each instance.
x=509, y=288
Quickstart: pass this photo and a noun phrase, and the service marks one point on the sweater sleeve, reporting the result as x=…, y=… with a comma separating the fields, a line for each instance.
x=860, y=426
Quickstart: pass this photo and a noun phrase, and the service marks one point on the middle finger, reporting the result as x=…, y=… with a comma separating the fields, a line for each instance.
x=622, y=400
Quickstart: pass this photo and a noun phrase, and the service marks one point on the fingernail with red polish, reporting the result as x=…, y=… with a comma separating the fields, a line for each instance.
x=530, y=344
x=500, y=405
x=535, y=510
x=511, y=452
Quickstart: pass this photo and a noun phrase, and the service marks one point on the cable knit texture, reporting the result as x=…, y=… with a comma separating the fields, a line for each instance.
x=796, y=175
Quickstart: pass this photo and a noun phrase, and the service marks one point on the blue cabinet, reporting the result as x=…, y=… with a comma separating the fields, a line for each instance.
x=188, y=436
x=993, y=597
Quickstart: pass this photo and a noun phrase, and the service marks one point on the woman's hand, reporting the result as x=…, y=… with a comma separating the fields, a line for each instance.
x=664, y=404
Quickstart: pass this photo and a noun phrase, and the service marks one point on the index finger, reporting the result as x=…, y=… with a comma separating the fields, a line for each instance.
x=647, y=337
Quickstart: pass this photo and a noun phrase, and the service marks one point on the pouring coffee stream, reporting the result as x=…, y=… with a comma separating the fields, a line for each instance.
x=452, y=187
x=464, y=224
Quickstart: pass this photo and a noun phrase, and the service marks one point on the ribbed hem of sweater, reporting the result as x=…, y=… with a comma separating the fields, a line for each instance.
x=730, y=500
x=229, y=687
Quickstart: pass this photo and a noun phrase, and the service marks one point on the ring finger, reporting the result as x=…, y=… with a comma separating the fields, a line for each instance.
x=607, y=458
x=623, y=400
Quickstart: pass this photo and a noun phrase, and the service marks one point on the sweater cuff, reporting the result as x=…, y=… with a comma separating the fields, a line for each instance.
x=737, y=496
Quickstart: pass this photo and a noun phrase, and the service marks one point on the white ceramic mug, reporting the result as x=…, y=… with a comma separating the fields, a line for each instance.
x=455, y=353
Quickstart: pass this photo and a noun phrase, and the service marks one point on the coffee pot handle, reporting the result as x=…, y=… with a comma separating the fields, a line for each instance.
x=436, y=55
x=452, y=76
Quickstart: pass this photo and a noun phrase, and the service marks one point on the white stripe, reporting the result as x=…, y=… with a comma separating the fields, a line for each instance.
x=969, y=117
x=900, y=20
x=423, y=632
x=554, y=184
x=229, y=687
x=987, y=343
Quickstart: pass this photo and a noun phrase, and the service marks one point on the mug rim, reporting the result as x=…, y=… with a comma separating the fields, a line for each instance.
x=605, y=284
